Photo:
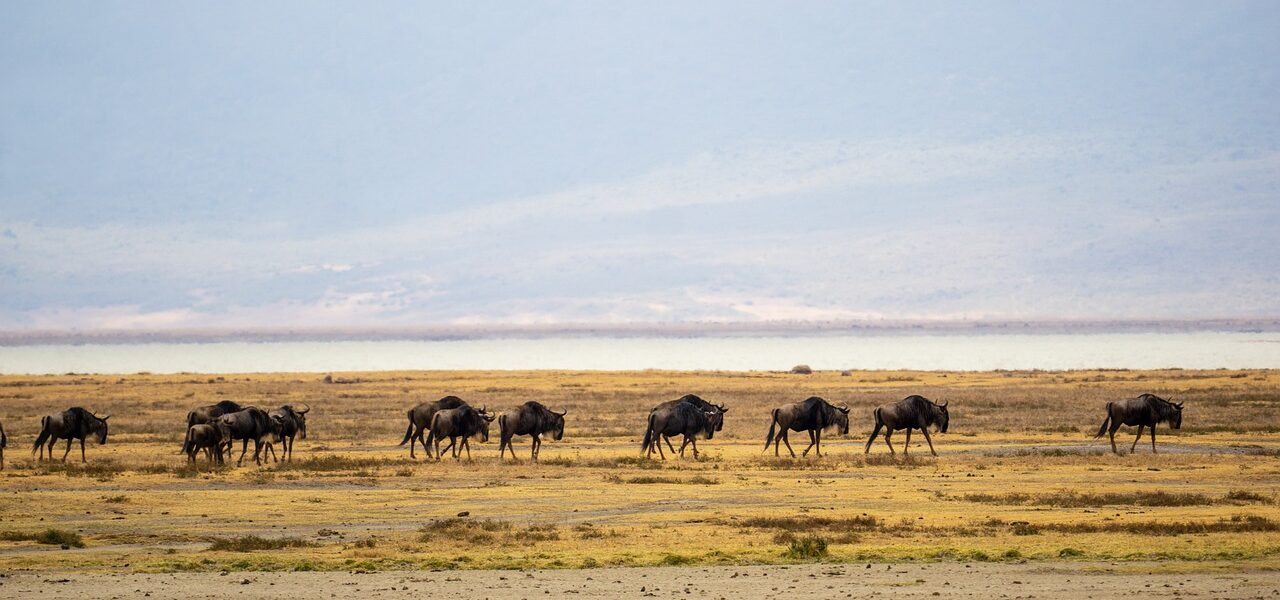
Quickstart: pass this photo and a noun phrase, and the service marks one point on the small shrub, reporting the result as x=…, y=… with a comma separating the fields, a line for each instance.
x=52, y=537
x=1070, y=553
x=253, y=543
x=809, y=547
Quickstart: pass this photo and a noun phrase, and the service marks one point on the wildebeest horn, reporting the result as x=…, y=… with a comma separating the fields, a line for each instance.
x=104, y=418
x=844, y=408
x=563, y=413
x=944, y=403
x=303, y=412
x=723, y=408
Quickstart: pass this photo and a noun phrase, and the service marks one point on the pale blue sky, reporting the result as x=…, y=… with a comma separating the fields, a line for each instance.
x=170, y=164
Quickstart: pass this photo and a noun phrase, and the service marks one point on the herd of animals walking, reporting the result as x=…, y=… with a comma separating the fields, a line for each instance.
x=214, y=429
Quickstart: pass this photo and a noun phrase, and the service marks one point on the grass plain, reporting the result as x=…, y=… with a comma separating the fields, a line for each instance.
x=1019, y=476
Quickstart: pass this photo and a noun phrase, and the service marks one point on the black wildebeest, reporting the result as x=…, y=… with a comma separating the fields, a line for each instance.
x=420, y=421
x=811, y=415
x=1144, y=411
x=532, y=419
x=251, y=423
x=4, y=441
x=71, y=424
x=203, y=436
x=289, y=422
x=208, y=414
x=912, y=412
x=697, y=401
x=462, y=422
x=680, y=418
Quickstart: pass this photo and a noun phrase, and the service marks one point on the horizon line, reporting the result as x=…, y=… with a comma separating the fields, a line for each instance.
x=459, y=331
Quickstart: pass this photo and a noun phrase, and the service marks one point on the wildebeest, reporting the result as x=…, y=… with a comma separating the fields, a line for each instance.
x=811, y=415
x=251, y=423
x=4, y=441
x=912, y=412
x=289, y=422
x=420, y=421
x=695, y=400
x=680, y=418
x=203, y=436
x=462, y=422
x=71, y=424
x=208, y=414
x=1144, y=411
x=532, y=419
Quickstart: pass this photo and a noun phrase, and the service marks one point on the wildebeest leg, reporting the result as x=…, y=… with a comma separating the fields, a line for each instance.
x=786, y=439
x=683, y=445
x=817, y=442
x=82, y=459
x=669, y=446
x=658, y=445
x=812, y=441
x=535, y=447
x=466, y=443
x=927, y=439
x=906, y=446
x=64, y=454
x=1153, y=439
x=694, y=442
x=1115, y=425
x=244, y=447
x=872, y=438
x=1136, y=440
x=257, y=451
x=888, y=432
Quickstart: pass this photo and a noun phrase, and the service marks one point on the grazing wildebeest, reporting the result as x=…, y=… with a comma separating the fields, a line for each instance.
x=420, y=421
x=208, y=414
x=912, y=412
x=203, y=436
x=251, y=423
x=532, y=419
x=1144, y=411
x=812, y=415
x=71, y=424
x=462, y=422
x=695, y=400
x=4, y=441
x=289, y=422
x=680, y=418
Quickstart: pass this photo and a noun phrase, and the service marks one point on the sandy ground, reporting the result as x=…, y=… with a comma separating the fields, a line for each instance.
x=943, y=580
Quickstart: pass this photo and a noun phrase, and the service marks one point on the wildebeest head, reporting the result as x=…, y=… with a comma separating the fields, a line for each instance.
x=841, y=419
x=482, y=431
x=715, y=422
x=943, y=417
x=98, y=427
x=557, y=424
x=301, y=419
x=1175, y=415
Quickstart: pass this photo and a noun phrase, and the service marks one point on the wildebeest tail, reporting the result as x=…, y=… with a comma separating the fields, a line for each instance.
x=648, y=434
x=186, y=442
x=773, y=424
x=1107, y=421
x=408, y=432
x=44, y=434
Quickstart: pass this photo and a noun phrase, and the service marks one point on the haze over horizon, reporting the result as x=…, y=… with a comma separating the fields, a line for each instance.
x=297, y=164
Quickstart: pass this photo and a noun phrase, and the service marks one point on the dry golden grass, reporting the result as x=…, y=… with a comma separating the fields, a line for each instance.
x=1019, y=476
